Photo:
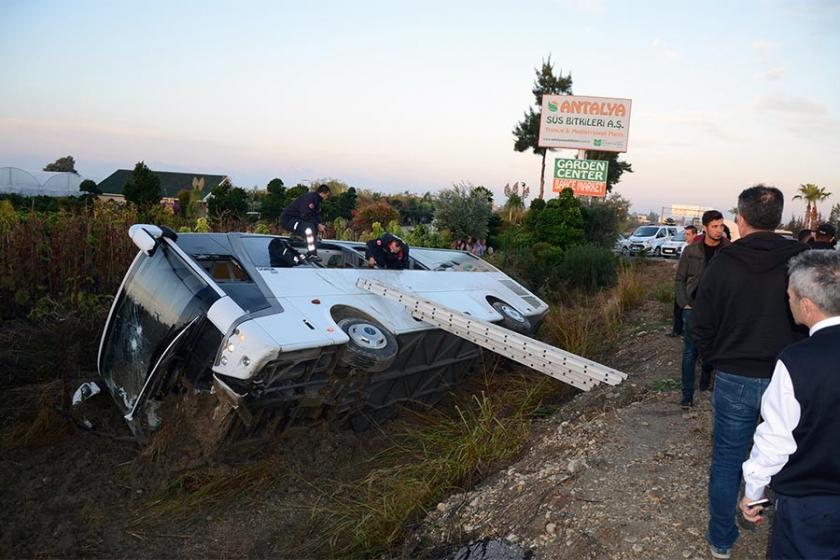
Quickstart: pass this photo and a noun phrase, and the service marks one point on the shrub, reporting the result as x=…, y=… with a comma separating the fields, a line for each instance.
x=588, y=267
x=559, y=223
x=381, y=212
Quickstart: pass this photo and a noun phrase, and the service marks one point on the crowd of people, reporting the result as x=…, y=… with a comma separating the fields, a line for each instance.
x=477, y=247
x=761, y=315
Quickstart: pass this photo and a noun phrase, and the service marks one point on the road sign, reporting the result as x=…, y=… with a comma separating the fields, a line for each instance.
x=586, y=177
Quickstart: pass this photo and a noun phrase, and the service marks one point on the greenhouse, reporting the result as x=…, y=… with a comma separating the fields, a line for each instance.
x=39, y=183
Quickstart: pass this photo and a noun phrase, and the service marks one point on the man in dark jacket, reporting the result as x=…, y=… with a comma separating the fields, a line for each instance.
x=690, y=269
x=741, y=321
x=389, y=251
x=824, y=237
x=690, y=234
x=795, y=449
x=303, y=218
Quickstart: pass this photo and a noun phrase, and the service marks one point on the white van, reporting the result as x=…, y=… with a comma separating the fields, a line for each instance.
x=650, y=239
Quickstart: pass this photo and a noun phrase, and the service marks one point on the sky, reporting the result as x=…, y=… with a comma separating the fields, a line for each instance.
x=418, y=96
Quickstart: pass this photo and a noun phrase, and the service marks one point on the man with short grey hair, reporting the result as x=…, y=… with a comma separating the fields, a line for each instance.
x=795, y=447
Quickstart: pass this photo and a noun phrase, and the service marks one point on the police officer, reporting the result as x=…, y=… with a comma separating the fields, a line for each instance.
x=389, y=251
x=303, y=218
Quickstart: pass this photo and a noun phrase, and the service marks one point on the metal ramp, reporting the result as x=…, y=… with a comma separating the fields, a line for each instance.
x=554, y=362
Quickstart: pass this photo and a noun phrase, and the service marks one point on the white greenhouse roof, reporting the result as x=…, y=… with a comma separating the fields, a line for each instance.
x=34, y=183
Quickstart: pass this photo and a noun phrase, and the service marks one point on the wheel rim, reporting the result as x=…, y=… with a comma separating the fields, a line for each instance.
x=513, y=313
x=367, y=336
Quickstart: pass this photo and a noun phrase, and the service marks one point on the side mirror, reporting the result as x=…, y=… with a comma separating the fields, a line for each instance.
x=145, y=237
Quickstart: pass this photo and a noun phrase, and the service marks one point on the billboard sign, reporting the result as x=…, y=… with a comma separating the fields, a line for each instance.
x=584, y=123
x=586, y=177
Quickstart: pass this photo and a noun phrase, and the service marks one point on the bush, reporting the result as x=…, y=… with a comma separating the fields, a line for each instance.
x=381, y=212
x=559, y=223
x=589, y=268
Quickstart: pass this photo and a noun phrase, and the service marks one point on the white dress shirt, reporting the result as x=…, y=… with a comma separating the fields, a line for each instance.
x=773, y=442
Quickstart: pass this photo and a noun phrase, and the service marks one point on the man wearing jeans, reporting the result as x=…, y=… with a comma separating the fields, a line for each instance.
x=740, y=323
x=690, y=269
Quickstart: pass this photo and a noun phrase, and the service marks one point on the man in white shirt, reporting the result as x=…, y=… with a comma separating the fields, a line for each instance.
x=796, y=449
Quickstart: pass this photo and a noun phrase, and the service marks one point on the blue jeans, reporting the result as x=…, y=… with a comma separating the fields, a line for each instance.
x=736, y=403
x=689, y=359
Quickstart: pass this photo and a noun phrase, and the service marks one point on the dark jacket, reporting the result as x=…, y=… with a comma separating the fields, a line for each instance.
x=820, y=245
x=378, y=249
x=690, y=270
x=306, y=207
x=741, y=320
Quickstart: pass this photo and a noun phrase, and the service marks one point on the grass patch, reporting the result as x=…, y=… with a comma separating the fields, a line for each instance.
x=663, y=292
x=46, y=427
x=178, y=498
x=669, y=384
x=586, y=326
x=441, y=454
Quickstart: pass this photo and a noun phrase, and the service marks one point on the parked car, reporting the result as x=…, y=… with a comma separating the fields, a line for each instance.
x=622, y=244
x=650, y=239
x=282, y=344
x=673, y=249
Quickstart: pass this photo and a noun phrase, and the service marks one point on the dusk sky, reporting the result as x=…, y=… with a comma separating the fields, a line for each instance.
x=417, y=96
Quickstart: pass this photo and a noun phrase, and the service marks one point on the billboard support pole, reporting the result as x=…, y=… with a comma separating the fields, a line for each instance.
x=542, y=174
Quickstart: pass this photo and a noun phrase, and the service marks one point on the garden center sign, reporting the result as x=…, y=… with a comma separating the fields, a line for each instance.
x=587, y=177
x=584, y=123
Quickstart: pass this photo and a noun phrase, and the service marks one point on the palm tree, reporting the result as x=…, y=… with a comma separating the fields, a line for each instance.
x=811, y=194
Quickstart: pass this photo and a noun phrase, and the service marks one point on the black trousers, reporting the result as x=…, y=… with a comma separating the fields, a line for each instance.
x=678, y=319
x=300, y=228
x=807, y=527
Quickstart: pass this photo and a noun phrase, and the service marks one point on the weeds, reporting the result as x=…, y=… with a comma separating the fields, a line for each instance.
x=179, y=497
x=663, y=292
x=584, y=327
x=444, y=453
x=668, y=384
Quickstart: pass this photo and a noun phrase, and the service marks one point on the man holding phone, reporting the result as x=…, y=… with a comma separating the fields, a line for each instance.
x=795, y=447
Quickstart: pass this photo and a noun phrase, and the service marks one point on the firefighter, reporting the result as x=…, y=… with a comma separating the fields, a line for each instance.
x=303, y=218
x=389, y=251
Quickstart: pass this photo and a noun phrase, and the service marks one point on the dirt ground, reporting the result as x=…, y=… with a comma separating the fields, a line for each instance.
x=618, y=472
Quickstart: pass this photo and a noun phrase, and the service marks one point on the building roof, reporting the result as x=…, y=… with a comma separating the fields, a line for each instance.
x=171, y=183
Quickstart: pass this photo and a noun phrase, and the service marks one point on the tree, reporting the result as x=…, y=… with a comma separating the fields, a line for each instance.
x=604, y=219
x=560, y=223
x=379, y=211
x=486, y=192
x=273, y=203
x=414, y=209
x=228, y=200
x=516, y=199
x=834, y=217
x=347, y=203
x=90, y=187
x=66, y=163
x=276, y=186
x=528, y=129
x=342, y=200
x=811, y=194
x=143, y=187
x=464, y=211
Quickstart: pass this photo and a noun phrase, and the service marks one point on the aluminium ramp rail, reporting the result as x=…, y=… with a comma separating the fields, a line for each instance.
x=559, y=364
